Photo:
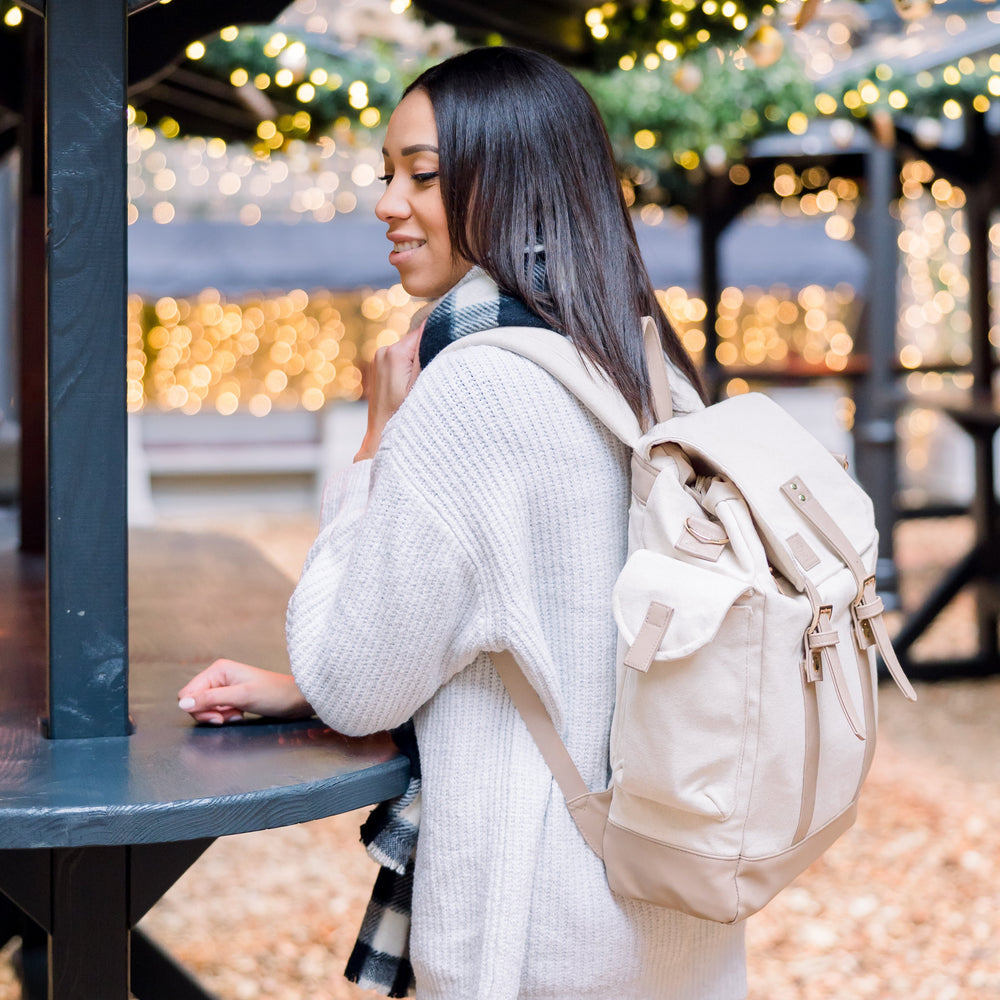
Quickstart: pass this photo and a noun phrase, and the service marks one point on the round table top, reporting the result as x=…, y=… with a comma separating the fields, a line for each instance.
x=193, y=598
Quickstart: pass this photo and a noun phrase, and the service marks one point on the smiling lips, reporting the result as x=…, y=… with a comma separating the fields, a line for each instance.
x=400, y=246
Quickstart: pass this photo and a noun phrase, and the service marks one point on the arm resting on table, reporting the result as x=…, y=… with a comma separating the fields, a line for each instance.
x=226, y=690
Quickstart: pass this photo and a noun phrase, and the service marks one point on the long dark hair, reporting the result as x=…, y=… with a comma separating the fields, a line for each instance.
x=526, y=169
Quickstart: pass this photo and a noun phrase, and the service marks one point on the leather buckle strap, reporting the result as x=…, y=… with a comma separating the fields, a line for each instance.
x=816, y=514
x=656, y=367
x=869, y=624
x=822, y=641
x=816, y=640
x=821, y=659
x=866, y=611
x=869, y=606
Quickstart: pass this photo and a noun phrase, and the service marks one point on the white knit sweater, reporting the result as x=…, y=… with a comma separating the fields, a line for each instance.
x=494, y=516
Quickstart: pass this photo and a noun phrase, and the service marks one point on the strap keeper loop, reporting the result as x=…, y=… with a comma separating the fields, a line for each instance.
x=818, y=636
x=864, y=610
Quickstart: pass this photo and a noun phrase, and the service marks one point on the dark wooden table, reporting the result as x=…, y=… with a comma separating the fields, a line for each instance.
x=979, y=567
x=94, y=831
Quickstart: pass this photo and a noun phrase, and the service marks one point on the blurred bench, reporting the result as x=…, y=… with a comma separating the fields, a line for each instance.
x=287, y=454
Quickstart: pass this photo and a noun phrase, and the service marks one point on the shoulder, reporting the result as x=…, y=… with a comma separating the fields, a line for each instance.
x=483, y=369
x=482, y=386
x=484, y=416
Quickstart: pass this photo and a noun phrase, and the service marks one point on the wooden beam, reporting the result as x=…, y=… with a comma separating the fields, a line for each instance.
x=30, y=321
x=875, y=420
x=85, y=64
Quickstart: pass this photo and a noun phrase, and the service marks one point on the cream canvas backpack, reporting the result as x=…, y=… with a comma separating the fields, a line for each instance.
x=745, y=712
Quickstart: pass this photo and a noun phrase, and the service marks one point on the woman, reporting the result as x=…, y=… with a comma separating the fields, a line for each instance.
x=487, y=510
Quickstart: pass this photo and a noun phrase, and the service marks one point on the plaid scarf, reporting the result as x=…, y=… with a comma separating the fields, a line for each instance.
x=381, y=957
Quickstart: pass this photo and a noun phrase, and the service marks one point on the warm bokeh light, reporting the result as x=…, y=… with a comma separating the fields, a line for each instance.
x=258, y=353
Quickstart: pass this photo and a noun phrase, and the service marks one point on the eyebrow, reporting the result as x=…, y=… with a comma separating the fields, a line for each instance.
x=410, y=150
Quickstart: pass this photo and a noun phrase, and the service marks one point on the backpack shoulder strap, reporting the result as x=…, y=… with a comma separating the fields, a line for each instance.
x=588, y=809
x=656, y=367
x=558, y=356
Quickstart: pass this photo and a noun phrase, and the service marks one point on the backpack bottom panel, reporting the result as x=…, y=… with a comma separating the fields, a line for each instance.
x=722, y=889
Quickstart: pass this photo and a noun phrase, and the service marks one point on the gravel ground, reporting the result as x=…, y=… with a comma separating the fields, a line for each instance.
x=906, y=905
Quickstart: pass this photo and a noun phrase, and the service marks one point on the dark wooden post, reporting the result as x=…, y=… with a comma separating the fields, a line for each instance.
x=85, y=73
x=875, y=423
x=984, y=503
x=31, y=294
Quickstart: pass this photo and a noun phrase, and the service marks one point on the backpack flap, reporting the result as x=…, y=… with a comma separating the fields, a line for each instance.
x=754, y=443
x=667, y=609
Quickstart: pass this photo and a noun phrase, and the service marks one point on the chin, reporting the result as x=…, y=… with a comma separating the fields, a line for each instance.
x=424, y=289
x=424, y=285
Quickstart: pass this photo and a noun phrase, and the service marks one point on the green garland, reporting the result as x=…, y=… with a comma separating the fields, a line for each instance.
x=669, y=27
x=672, y=123
x=674, y=27
x=331, y=101
x=946, y=90
x=663, y=121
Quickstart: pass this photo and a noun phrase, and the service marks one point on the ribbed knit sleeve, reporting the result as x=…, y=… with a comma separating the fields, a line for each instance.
x=388, y=607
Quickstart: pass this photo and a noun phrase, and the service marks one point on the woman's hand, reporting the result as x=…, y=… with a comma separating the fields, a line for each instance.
x=226, y=690
x=393, y=371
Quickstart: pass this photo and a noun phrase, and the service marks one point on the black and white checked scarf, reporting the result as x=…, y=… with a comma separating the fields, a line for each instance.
x=381, y=957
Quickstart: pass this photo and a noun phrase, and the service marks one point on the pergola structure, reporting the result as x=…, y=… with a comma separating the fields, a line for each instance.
x=99, y=817
x=66, y=89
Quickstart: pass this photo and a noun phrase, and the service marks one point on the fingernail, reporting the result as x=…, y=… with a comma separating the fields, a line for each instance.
x=186, y=704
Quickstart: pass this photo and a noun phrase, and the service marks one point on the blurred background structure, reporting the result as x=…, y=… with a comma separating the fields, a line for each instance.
x=258, y=281
x=751, y=154
x=814, y=185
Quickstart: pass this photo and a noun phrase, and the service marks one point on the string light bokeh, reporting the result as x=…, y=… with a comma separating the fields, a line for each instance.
x=261, y=353
x=308, y=163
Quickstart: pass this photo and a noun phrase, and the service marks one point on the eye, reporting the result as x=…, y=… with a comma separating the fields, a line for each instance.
x=425, y=178
x=385, y=178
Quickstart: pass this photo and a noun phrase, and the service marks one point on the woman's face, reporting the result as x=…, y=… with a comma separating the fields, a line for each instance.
x=412, y=206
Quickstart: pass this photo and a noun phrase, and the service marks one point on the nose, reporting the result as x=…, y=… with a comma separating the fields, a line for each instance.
x=392, y=204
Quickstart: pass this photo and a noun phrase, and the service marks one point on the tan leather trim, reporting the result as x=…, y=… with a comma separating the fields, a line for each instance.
x=804, y=555
x=706, y=531
x=871, y=714
x=821, y=657
x=656, y=365
x=589, y=810
x=725, y=890
x=694, y=546
x=816, y=514
x=647, y=640
x=869, y=623
x=810, y=763
x=643, y=478
x=867, y=610
x=825, y=640
x=761, y=879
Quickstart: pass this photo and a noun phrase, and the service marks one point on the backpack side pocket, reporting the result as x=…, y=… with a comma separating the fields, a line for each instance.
x=685, y=703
